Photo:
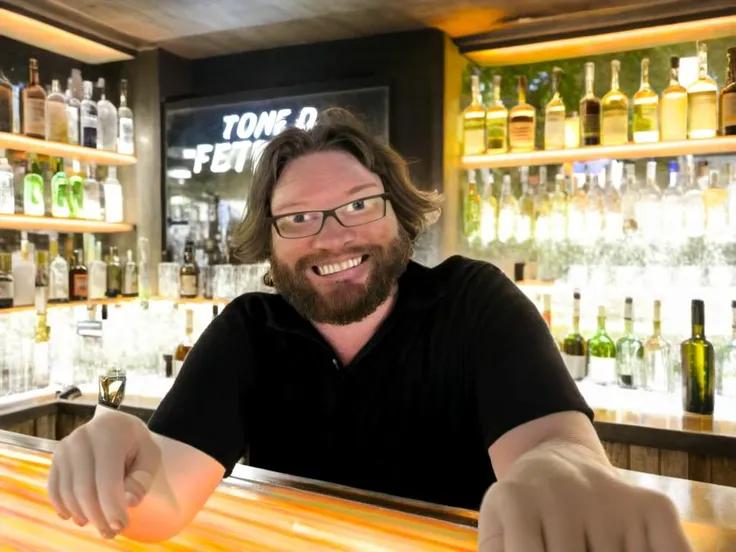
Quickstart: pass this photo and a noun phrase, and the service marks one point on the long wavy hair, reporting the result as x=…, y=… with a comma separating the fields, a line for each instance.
x=337, y=130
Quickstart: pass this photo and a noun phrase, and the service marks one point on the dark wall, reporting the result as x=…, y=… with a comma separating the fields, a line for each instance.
x=410, y=63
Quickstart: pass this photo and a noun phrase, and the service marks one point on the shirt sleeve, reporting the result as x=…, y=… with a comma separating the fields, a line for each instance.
x=204, y=407
x=519, y=373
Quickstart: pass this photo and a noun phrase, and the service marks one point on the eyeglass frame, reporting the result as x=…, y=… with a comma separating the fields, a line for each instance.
x=326, y=213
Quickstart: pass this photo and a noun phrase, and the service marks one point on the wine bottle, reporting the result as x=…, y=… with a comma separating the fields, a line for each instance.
x=629, y=351
x=698, y=366
x=602, y=353
x=574, y=345
x=658, y=374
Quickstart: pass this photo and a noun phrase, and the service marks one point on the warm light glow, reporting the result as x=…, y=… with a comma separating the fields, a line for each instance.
x=30, y=224
x=723, y=144
x=18, y=142
x=597, y=44
x=42, y=35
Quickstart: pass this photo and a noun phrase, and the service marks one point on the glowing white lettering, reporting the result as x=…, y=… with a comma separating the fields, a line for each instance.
x=221, y=158
x=229, y=121
x=307, y=118
x=201, y=157
x=281, y=121
x=246, y=126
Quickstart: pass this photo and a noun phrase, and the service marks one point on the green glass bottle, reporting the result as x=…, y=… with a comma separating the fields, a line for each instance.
x=33, y=189
x=60, y=188
x=698, y=366
x=76, y=191
x=574, y=345
x=629, y=352
x=472, y=210
x=602, y=353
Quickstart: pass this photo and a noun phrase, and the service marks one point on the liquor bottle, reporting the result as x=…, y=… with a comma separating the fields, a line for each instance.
x=572, y=131
x=673, y=123
x=60, y=190
x=615, y=108
x=107, y=121
x=7, y=190
x=88, y=118
x=497, y=121
x=673, y=213
x=629, y=352
x=6, y=104
x=576, y=208
x=92, y=195
x=693, y=203
x=144, y=286
x=602, y=353
x=113, y=196
x=658, y=374
x=97, y=274
x=574, y=346
x=702, y=100
x=612, y=218
x=189, y=273
x=182, y=350
x=24, y=276
x=34, y=105
x=547, y=309
x=698, y=366
x=73, y=106
x=522, y=121
x=78, y=278
x=488, y=210
x=474, y=116
x=649, y=206
x=646, y=109
x=58, y=275
x=590, y=111
x=472, y=210
x=114, y=273
x=594, y=207
x=525, y=223
x=728, y=97
x=508, y=211
x=7, y=284
x=629, y=200
x=726, y=380
x=558, y=210
x=33, y=188
x=542, y=208
x=56, y=116
x=130, y=276
x=126, y=132
x=76, y=191
x=554, y=116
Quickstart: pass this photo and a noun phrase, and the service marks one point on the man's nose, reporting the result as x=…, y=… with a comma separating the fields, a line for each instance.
x=333, y=234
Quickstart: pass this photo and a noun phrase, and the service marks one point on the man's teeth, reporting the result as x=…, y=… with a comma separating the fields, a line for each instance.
x=327, y=269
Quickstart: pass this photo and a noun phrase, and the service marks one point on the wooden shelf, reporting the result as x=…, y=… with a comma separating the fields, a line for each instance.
x=721, y=144
x=19, y=142
x=29, y=224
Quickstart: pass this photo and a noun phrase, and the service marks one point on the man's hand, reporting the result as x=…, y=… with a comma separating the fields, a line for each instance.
x=560, y=498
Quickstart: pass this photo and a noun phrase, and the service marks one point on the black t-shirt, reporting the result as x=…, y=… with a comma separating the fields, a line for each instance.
x=463, y=357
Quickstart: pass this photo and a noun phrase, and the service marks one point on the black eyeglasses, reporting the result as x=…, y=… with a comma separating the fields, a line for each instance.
x=310, y=223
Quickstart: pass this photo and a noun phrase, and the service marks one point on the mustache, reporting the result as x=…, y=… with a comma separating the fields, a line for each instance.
x=308, y=261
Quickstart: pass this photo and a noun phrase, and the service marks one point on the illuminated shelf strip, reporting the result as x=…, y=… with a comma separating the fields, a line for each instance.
x=30, y=224
x=116, y=301
x=723, y=144
x=19, y=142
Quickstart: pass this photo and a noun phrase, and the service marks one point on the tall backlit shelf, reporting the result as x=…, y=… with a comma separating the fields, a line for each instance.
x=713, y=146
x=49, y=224
x=19, y=142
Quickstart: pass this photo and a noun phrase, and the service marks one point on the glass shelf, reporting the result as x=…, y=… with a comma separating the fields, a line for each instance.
x=19, y=142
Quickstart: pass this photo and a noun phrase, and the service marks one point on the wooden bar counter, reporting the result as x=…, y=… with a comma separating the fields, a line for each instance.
x=256, y=510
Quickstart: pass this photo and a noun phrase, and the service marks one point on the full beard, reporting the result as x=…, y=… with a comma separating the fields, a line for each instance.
x=345, y=302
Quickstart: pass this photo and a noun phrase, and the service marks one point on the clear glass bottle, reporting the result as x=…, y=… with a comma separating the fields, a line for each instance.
x=726, y=381
x=646, y=109
x=590, y=111
x=97, y=274
x=728, y=97
x=58, y=275
x=88, y=120
x=126, y=129
x=6, y=103
x=92, y=195
x=602, y=353
x=658, y=374
x=24, y=276
x=33, y=188
x=73, y=106
x=60, y=190
x=525, y=223
x=615, y=109
x=107, y=121
x=522, y=122
x=488, y=210
x=673, y=123
x=574, y=346
x=7, y=189
x=542, y=208
x=508, y=211
x=613, y=222
x=576, y=206
x=554, y=116
x=673, y=212
x=472, y=210
x=113, y=196
x=130, y=276
x=497, y=121
x=630, y=200
x=649, y=206
x=56, y=122
x=76, y=191
x=702, y=100
x=629, y=352
x=693, y=204
x=558, y=210
x=594, y=209
x=698, y=366
x=474, y=137
x=34, y=104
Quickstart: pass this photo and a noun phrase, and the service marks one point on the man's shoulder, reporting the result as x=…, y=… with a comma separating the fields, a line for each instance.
x=460, y=270
x=254, y=308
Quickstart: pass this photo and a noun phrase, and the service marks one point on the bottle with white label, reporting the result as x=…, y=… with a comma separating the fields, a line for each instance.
x=34, y=105
x=107, y=121
x=602, y=353
x=574, y=346
x=97, y=274
x=72, y=114
x=702, y=101
x=7, y=190
x=88, y=118
x=126, y=133
x=56, y=124
x=24, y=276
x=92, y=203
x=58, y=275
x=113, y=192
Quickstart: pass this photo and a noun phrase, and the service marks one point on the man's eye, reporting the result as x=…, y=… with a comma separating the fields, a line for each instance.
x=299, y=218
x=357, y=205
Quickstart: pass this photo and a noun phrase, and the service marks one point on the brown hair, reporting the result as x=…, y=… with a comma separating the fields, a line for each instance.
x=337, y=130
